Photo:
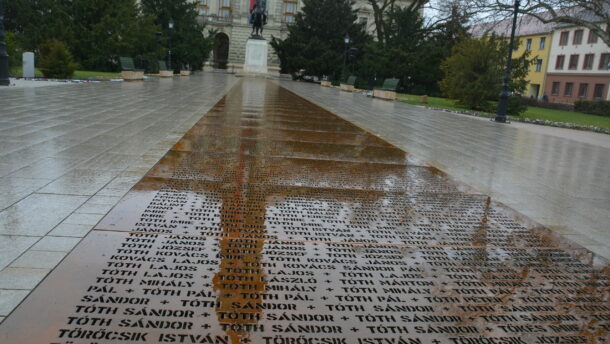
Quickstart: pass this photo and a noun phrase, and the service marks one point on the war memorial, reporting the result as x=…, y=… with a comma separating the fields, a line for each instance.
x=273, y=220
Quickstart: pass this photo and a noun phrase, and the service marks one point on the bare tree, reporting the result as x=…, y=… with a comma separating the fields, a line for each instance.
x=592, y=14
x=381, y=9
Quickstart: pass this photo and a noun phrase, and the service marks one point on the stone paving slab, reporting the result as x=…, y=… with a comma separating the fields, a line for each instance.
x=556, y=177
x=68, y=154
x=258, y=244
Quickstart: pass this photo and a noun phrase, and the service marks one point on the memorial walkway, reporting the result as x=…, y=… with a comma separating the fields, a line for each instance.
x=68, y=153
x=558, y=177
x=273, y=220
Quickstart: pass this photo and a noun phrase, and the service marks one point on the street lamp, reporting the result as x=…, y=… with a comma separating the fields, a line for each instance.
x=503, y=104
x=346, y=40
x=352, y=57
x=170, y=25
x=4, y=81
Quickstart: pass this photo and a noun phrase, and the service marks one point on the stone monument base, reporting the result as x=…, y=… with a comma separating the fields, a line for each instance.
x=166, y=73
x=347, y=87
x=132, y=75
x=384, y=94
x=256, y=56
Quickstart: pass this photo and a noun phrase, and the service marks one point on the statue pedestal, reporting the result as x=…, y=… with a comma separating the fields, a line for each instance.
x=256, y=56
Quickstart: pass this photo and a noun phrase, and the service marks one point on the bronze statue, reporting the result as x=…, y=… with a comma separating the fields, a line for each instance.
x=258, y=18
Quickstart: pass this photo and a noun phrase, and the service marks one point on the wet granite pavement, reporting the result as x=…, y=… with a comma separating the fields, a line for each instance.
x=275, y=221
x=558, y=177
x=69, y=153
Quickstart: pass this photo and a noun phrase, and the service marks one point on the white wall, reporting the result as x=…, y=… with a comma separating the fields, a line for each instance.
x=582, y=49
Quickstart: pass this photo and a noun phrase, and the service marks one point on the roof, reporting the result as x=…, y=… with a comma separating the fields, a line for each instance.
x=526, y=25
x=529, y=25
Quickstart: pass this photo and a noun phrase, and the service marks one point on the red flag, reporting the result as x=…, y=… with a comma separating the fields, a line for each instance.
x=252, y=3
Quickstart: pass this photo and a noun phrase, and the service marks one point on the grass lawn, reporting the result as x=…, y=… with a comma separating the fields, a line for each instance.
x=532, y=112
x=79, y=74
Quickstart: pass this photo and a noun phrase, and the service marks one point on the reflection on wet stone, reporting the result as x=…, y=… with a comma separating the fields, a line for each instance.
x=273, y=221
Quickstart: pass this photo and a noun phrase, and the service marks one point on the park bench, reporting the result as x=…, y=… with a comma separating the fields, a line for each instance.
x=387, y=90
x=163, y=71
x=185, y=70
x=349, y=84
x=326, y=81
x=129, y=71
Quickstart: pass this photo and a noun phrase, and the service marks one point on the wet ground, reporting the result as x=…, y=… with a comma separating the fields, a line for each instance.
x=275, y=221
x=558, y=177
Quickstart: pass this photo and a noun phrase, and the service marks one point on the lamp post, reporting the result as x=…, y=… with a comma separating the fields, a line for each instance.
x=352, y=57
x=346, y=40
x=502, y=105
x=4, y=81
x=170, y=26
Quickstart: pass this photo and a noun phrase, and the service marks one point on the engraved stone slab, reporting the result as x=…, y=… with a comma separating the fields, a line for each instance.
x=150, y=288
x=273, y=221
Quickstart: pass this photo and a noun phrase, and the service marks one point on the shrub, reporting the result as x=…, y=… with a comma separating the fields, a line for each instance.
x=599, y=107
x=56, y=60
x=14, y=50
x=547, y=105
x=515, y=106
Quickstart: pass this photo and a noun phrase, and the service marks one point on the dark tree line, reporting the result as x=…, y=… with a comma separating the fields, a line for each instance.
x=402, y=45
x=98, y=32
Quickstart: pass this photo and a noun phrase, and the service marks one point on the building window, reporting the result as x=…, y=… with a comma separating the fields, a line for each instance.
x=202, y=9
x=592, y=37
x=598, y=92
x=555, y=89
x=573, y=61
x=577, y=37
x=290, y=10
x=363, y=20
x=225, y=8
x=604, y=62
x=588, y=63
x=582, y=90
x=569, y=89
x=560, y=61
x=542, y=43
x=528, y=44
x=563, y=40
x=539, y=65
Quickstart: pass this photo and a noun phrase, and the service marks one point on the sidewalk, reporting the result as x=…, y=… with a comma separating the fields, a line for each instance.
x=67, y=155
x=557, y=179
x=274, y=221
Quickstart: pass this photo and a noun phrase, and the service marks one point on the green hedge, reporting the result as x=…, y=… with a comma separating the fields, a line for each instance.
x=56, y=60
x=599, y=107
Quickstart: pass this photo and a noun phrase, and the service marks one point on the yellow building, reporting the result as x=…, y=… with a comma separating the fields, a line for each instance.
x=540, y=46
x=534, y=36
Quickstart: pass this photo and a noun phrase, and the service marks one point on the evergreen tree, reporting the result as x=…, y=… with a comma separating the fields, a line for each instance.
x=189, y=44
x=397, y=57
x=315, y=40
x=105, y=30
x=36, y=21
x=436, y=48
x=474, y=72
x=96, y=32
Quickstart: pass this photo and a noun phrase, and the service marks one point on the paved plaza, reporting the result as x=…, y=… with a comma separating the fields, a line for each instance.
x=216, y=209
x=558, y=177
x=69, y=153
